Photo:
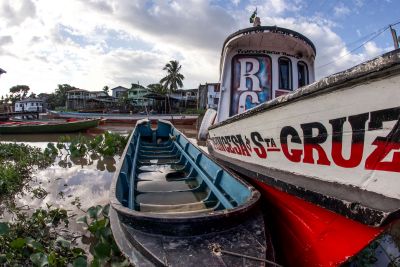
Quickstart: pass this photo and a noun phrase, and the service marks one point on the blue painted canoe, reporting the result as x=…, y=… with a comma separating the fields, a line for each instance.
x=171, y=205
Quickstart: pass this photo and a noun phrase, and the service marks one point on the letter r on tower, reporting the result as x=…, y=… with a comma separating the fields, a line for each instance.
x=249, y=74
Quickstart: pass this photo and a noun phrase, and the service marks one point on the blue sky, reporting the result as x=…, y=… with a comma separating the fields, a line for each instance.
x=93, y=43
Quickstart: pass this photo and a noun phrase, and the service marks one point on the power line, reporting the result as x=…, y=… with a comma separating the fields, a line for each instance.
x=351, y=51
x=375, y=35
x=356, y=41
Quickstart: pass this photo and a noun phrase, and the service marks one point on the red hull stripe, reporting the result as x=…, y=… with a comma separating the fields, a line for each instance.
x=313, y=236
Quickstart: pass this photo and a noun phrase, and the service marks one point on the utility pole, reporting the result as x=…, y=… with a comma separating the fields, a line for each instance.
x=394, y=36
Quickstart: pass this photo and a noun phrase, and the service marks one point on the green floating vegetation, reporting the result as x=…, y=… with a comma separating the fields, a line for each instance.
x=107, y=145
x=38, y=240
x=35, y=240
x=104, y=248
x=42, y=238
x=17, y=161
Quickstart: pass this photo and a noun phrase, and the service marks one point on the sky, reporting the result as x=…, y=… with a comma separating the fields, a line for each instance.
x=93, y=43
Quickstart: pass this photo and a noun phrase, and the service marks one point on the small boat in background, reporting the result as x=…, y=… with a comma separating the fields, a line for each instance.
x=171, y=205
x=35, y=127
x=176, y=119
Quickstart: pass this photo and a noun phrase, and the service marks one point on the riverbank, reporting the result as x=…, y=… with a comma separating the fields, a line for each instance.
x=71, y=186
x=54, y=201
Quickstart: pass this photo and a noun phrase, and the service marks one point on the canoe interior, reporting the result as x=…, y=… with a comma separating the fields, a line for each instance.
x=164, y=175
x=171, y=204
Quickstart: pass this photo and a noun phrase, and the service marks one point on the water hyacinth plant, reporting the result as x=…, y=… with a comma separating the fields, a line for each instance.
x=41, y=237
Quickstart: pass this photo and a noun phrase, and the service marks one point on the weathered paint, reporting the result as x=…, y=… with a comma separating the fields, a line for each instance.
x=250, y=71
x=328, y=137
x=251, y=82
x=333, y=144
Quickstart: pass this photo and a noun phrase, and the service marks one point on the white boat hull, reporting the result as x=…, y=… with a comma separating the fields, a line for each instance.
x=342, y=134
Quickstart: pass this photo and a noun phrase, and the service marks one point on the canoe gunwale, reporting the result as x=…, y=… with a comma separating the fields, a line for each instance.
x=183, y=224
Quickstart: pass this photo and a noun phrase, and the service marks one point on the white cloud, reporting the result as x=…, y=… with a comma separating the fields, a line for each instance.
x=359, y=3
x=94, y=43
x=235, y=2
x=341, y=10
x=372, y=50
x=17, y=11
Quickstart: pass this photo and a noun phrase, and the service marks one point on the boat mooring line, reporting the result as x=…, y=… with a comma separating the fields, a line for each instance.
x=216, y=249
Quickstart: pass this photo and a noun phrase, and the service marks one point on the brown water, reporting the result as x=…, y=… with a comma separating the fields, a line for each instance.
x=84, y=180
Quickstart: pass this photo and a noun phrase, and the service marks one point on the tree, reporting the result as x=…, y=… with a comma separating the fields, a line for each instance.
x=157, y=88
x=18, y=92
x=106, y=90
x=32, y=95
x=174, y=79
x=61, y=94
x=51, y=100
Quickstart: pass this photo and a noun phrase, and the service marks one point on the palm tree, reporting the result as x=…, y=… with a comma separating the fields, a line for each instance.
x=174, y=79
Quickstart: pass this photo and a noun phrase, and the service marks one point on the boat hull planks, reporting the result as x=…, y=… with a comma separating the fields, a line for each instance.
x=47, y=127
x=171, y=204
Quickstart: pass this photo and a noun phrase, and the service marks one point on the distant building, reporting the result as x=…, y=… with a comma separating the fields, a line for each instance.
x=97, y=94
x=208, y=96
x=213, y=95
x=29, y=104
x=184, y=98
x=136, y=96
x=77, y=98
x=45, y=97
x=119, y=91
x=202, y=97
x=80, y=99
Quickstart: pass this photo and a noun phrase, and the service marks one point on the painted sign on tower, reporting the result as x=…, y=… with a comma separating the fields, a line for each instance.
x=251, y=82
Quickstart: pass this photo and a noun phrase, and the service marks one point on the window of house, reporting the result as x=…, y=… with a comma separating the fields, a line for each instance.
x=285, y=73
x=302, y=71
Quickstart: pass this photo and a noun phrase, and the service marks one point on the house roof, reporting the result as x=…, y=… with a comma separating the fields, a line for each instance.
x=77, y=90
x=29, y=100
x=155, y=96
x=187, y=90
x=103, y=100
x=119, y=87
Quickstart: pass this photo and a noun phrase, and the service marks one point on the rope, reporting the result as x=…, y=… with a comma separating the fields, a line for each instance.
x=216, y=249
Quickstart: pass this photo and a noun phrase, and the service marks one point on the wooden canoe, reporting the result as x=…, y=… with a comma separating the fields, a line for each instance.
x=35, y=127
x=171, y=205
x=176, y=119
